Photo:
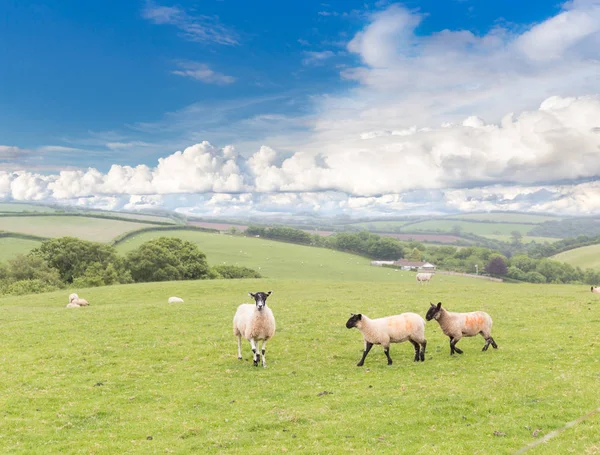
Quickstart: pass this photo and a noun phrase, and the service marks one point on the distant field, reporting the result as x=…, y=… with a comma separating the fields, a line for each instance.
x=584, y=257
x=275, y=259
x=95, y=229
x=507, y=217
x=441, y=238
x=135, y=216
x=5, y=207
x=525, y=239
x=379, y=226
x=11, y=247
x=466, y=226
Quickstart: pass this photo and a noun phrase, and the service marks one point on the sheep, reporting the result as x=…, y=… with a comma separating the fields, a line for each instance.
x=72, y=305
x=424, y=277
x=74, y=299
x=175, y=300
x=254, y=322
x=596, y=290
x=391, y=329
x=457, y=325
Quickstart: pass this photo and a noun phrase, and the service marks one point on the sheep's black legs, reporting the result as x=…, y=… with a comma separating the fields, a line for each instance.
x=368, y=347
x=264, y=360
x=489, y=341
x=387, y=354
x=422, y=354
x=417, y=349
x=453, y=347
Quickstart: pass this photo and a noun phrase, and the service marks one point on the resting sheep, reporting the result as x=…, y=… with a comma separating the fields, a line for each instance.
x=254, y=322
x=391, y=329
x=175, y=300
x=74, y=300
x=457, y=325
x=595, y=290
x=424, y=277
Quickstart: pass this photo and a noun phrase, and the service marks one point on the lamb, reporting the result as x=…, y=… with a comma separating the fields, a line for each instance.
x=391, y=329
x=457, y=325
x=424, y=277
x=596, y=290
x=254, y=322
x=175, y=300
x=75, y=300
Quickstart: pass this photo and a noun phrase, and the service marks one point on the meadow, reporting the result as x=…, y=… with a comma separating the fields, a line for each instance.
x=6, y=207
x=132, y=374
x=11, y=247
x=469, y=226
x=584, y=257
x=86, y=228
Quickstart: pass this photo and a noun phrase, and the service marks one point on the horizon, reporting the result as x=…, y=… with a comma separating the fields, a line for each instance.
x=345, y=108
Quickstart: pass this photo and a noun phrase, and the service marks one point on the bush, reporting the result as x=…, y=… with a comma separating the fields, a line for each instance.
x=535, y=277
x=234, y=271
x=167, y=259
x=35, y=286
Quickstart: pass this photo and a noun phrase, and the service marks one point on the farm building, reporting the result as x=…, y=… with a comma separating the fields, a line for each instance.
x=405, y=264
x=381, y=263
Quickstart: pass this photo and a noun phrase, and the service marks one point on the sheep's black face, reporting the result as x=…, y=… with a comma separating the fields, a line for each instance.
x=433, y=311
x=353, y=320
x=260, y=298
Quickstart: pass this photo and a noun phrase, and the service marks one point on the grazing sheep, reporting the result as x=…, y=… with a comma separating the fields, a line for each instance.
x=75, y=300
x=596, y=290
x=254, y=322
x=175, y=300
x=457, y=325
x=424, y=277
x=72, y=305
x=391, y=329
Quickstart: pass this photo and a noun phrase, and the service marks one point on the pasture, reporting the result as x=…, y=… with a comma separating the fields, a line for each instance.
x=9, y=207
x=469, y=226
x=507, y=217
x=584, y=257
x=132, y=374
x=12, y=246
x=95, y=229
x=277, y=259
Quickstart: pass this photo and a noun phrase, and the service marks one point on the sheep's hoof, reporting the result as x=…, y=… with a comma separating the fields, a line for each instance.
x=359, y=364
x=389, y=363
x=240, y=358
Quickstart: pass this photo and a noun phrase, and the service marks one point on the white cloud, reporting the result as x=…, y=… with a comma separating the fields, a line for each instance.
x=316, y=58
x=197, y=28
x=202, y=72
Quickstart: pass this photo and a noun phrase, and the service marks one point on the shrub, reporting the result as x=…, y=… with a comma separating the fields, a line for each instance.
x=234, y=271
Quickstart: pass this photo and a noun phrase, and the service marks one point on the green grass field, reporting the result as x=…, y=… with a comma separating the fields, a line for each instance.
x=95, y=229
x=275, y=259
x=587, y=257
x=11, y=247
x=16, y=208
x=525, y=239
x=466, y=226
x=379, y=226
x=132, y=374
x=507, y=217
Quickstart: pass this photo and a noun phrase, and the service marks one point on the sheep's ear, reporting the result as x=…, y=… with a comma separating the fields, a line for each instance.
x=439, y=305
x=251, y=294
x=270, y=292
x=359, y=316
x=432, y=305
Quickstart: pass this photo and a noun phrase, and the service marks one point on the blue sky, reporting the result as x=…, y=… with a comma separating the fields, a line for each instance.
x=100, y=84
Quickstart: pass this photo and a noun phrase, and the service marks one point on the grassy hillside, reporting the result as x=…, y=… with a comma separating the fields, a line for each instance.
x=133, y=374
x=11, y=247
x=276, y=259
x=584, y=257
x=473, y=227
x=507, y=217
x=17, y=208
x=96, y=229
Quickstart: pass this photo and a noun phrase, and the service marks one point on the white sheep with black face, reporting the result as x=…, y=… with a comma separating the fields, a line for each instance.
x=391, y=329
x=254, y=322
x=458, y=325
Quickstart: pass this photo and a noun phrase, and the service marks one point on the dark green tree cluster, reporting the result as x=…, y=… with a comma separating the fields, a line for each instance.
x=283, y=233
x=68, y=261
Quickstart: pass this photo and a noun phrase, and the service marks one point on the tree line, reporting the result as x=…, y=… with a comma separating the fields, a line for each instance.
x=71, y=262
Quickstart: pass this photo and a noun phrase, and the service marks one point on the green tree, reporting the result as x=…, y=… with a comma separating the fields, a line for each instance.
x=23, y=268
x=167, y=259
x=516, y=238
x=72, y=256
